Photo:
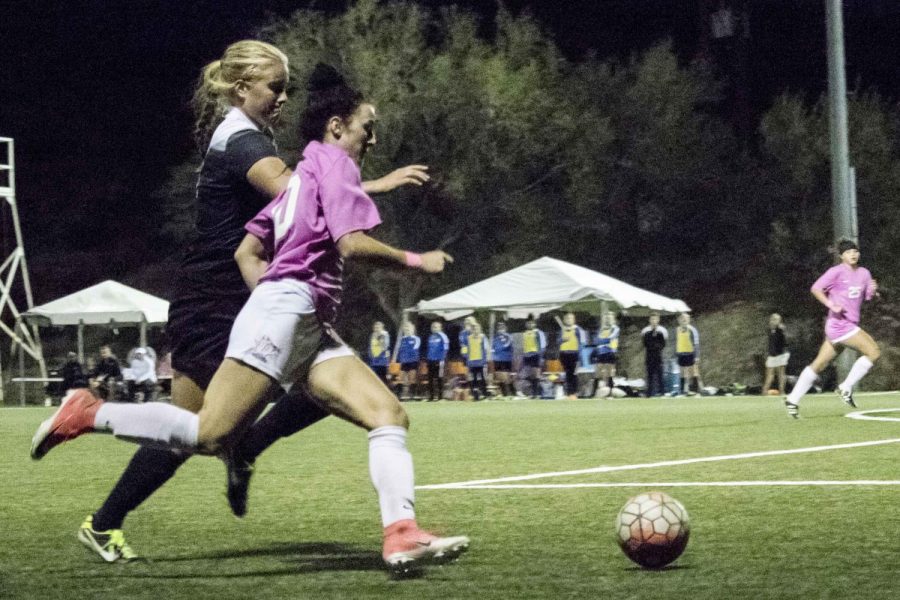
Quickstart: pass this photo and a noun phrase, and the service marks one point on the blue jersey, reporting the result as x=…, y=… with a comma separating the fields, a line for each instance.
x=607, y=340
x=503, y=347
x=438, y=345
x=409, y=349
x=464, y=342
x=380, y=349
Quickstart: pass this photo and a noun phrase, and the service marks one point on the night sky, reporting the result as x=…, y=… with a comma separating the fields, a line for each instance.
x=95, y=92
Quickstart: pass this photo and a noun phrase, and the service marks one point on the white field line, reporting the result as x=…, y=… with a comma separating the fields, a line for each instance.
x=665, y=484
x=863, y=415
x=665, y=463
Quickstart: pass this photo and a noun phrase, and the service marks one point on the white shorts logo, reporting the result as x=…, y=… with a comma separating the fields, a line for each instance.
x=265, y=349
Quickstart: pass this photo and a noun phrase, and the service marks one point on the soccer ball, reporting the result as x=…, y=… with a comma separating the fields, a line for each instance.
x=653, y=529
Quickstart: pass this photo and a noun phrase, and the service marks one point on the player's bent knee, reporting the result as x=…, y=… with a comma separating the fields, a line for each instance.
x=387, y=413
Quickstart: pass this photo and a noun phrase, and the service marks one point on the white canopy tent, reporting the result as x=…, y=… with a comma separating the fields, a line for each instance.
x=106, y=303
x=548, y=284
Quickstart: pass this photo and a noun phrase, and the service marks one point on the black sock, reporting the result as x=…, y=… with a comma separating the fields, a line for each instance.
x=681, y=384
x=291, y=413
x=440, y=388
x=695, y=384
x=148, y=470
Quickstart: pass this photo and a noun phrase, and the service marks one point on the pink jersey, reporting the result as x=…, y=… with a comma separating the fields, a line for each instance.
x=846, y=287
x=300, y=228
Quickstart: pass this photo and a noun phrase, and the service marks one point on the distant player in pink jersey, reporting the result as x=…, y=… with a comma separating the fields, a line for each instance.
x=292, y=258
x=842, y=289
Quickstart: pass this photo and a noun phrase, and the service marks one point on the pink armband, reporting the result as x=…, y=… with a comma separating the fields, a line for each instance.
x=413, y=260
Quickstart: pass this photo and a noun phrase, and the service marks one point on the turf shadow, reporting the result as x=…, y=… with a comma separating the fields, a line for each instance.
x=303, y=557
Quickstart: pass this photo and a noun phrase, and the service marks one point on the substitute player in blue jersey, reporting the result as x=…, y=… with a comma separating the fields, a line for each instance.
x=379, y=351
x=436, y=357
x=605, y=354
x=408, y=357
x=502, y=348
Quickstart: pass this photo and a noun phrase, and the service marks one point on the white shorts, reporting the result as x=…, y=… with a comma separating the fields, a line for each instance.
x=778, y=361
x=278, y=333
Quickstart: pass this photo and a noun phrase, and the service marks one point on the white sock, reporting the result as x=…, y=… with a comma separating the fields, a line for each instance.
x=857, y=372
x=154, y=423
x=804, y=382
x=391, y=469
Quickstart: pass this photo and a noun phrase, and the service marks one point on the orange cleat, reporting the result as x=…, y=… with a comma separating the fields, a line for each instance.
x=406, y=547
x=74, y=417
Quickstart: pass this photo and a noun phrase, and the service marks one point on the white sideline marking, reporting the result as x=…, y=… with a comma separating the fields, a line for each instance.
x=863, y=415
x=659, y=484
x=665, y=463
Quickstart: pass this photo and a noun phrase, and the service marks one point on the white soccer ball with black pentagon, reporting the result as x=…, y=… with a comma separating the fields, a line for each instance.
x=653, y=529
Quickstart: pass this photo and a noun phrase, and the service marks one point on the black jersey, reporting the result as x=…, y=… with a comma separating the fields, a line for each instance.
x=225, y=202
x=210, y=290
x=777, y=342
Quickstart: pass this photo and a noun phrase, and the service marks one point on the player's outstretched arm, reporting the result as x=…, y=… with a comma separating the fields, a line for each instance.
x=408, y=175
x=357, y=244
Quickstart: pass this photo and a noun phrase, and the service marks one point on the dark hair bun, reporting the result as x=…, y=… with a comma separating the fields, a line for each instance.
x=324, y=77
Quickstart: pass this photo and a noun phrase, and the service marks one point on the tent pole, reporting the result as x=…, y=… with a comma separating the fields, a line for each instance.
x=143, y=332
x=492, y=322
x=81, y=341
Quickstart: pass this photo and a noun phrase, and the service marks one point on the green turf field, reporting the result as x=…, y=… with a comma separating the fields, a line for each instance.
x=313, y=530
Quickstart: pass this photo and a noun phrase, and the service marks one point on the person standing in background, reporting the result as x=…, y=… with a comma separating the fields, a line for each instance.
x=476, y=360
x=571, y=340
x=687, y=351
x=654, y=338
x=606, y=354
x=534, y=343
x=776, y=361
x=502, y=347
x=408, y=357
x=380, y=351
x=436, y=357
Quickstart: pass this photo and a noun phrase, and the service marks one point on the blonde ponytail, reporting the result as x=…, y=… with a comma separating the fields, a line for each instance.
x=242, y=61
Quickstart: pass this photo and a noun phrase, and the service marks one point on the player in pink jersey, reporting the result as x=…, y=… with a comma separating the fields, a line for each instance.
x=293, y=259
x=842, y=289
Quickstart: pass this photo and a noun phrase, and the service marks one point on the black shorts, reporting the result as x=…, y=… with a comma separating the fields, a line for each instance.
x=198, y=329
x=503, y=366
x=607, y=358
x=410, y=366
x=533, y=362
x=686, y=360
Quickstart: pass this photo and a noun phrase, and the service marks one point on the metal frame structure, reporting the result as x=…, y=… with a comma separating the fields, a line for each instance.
x=14, y=272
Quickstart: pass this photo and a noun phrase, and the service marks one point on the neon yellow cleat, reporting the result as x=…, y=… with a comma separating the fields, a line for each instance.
x=109, y=545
